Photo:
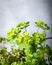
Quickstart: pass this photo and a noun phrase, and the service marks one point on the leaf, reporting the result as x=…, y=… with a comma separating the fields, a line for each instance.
x=42, y=25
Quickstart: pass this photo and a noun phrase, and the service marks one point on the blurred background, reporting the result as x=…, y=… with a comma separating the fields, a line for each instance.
x=14, y=11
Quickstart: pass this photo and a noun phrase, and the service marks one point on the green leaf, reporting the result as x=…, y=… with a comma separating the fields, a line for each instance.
x=42, y=25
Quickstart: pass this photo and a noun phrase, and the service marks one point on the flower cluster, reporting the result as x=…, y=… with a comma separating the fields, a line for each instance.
x=25, y=49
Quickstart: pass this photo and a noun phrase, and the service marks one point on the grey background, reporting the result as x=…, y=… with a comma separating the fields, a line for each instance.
x=14, y=11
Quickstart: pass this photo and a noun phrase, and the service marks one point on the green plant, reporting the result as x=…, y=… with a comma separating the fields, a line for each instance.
x=32, y=49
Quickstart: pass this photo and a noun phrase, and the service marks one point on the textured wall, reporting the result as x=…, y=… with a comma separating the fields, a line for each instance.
x=14, y=11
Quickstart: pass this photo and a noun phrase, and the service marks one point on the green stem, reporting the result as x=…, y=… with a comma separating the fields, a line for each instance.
x=25, y=29
x=37, y=29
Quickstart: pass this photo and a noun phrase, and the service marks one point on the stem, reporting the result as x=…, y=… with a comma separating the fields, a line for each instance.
x=49, y=60
x=25, y=29
x=49, y=38
x=37, y=29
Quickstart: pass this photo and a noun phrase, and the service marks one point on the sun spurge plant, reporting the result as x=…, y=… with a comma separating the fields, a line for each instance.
x=21, y=48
